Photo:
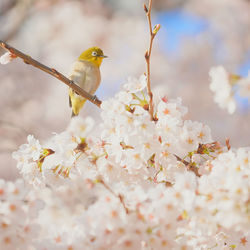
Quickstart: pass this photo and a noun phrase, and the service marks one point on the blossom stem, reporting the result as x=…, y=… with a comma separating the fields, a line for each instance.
x=29, y=60
x=144, y=98
x=119, y=196
x=189, y=165
x=136, y=97
x=147, y=57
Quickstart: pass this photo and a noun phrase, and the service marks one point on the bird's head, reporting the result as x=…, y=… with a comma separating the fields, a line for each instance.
x=94, y=55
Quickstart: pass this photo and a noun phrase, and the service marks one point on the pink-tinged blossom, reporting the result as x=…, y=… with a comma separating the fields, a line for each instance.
x=81, y=127
x=27, y=157
x=18, y=214
x=7, y=58
x=227, y=189
x=194, y=133
x=30, y=150
x=132, y=183
x=135, y=85
x=172, y=108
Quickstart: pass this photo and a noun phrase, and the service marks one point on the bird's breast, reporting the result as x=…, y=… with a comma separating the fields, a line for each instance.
x=86, y=75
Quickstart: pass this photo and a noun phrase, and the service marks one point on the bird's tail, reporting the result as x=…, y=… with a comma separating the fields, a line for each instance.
x=76, y=103
x=70, y=104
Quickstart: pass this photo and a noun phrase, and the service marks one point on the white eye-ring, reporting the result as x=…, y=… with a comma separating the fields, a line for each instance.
x=94, y=53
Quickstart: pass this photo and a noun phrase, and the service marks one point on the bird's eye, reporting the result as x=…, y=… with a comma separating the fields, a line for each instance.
x=94, y=53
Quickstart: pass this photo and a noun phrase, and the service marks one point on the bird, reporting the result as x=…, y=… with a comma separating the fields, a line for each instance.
x=86, y=74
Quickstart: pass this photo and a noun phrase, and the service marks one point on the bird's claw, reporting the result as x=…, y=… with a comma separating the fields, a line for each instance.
x=94, y=98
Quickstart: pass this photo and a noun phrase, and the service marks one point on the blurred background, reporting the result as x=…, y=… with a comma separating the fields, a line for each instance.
x=195, y=35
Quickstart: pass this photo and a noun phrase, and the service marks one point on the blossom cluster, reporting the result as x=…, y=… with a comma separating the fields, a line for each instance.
x=225, y=85
x=19, y=209
x=128, y=182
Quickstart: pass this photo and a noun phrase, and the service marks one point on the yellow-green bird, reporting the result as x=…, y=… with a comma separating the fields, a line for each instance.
x=86, y=74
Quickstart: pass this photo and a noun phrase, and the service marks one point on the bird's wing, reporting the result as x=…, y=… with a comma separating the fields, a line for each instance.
x=70, y=103
x=78, y=76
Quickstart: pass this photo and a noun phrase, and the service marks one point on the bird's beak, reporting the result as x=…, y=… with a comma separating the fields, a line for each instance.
x=103, y=56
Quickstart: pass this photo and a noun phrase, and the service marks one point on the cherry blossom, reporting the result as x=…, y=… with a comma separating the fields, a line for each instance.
x=132, y=183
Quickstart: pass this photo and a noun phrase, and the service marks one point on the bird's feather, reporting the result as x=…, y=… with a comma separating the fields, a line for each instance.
x=87, y=76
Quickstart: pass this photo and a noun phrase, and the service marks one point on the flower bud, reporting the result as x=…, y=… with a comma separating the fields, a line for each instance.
x=156, y=28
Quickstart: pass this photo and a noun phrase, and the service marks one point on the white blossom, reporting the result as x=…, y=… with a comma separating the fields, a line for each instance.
x=135, y=85
x=132, y=183
x=220, y=85
x=6, y=58
x=18, y=212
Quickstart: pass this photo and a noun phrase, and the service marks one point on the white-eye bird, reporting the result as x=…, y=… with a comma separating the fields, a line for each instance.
x=86, y=74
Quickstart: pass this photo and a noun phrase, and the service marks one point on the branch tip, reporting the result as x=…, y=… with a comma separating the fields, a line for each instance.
x=147, y=57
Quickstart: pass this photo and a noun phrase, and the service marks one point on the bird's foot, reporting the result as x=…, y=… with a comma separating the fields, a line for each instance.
x=94, y=98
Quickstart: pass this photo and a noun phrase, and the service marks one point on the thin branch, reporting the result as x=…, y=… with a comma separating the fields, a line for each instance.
x=152, y=32
x=189, y=165
x=27, y=59
x=119, y=196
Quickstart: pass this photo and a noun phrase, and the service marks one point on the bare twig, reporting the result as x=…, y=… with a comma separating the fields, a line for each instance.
x=152, y=32
x=27, y=59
